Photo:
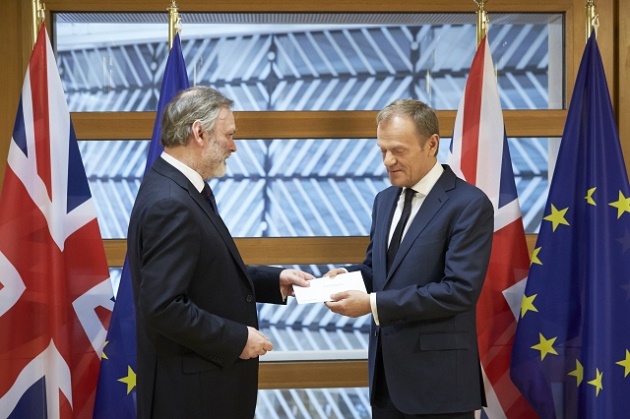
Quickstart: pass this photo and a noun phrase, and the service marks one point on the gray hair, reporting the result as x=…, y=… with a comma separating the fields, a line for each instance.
x=424, y=117
x=198, y=103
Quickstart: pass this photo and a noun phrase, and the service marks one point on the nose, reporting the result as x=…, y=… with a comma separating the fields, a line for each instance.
x=232, y=145
x=388, y=159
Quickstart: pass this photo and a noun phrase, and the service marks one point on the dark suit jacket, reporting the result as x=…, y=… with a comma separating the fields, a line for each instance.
x=426, y=303
x=194, y=298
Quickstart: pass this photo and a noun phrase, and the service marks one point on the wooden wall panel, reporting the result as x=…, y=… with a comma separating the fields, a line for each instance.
x=309, y=6
x=287, y=250
x=623, y=76
x=304, y=124
x=319, y=374
x=13, y=50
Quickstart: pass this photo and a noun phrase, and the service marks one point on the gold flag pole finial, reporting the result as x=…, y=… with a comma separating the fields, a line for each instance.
x=39, y=10
x=174, y=23
x=591, y=18
x=482, y=20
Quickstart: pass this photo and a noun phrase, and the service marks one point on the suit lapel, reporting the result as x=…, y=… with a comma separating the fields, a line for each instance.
x=216, y=219
x=178, y=177
x=436, y=198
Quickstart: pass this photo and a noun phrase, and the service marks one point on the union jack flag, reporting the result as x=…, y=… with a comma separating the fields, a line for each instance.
x=479, y=154
x=55, y=293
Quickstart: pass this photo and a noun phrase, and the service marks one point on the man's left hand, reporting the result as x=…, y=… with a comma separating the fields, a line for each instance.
x=350, y=303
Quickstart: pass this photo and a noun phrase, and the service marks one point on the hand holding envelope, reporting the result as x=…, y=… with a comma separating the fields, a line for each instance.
x=321, y=289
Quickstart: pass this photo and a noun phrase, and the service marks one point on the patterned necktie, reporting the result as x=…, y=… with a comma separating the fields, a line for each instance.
x=209, y=196
x=400, y=227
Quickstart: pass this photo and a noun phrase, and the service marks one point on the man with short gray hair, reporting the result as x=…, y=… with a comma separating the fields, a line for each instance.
x=198, y=343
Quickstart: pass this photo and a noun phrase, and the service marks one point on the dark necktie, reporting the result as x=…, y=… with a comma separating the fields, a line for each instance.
x=400, y=227
x=209, y=196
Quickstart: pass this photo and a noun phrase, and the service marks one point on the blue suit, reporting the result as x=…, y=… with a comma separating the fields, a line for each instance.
x=426, y=302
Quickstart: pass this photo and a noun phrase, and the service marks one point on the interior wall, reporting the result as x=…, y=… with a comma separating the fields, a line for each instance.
x=12, y=66
x=622, y=14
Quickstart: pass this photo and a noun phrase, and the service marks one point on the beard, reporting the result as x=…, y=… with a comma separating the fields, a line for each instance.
x=215, y=160
x=220, y=168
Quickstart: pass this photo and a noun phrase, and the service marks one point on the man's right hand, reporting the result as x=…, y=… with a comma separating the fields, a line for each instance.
x=257, y=344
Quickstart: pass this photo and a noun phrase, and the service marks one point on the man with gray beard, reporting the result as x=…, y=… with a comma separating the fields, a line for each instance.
x=195, y=299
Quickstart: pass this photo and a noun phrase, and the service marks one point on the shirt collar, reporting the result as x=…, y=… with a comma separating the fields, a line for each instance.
x=424, y=186
x=194, y=177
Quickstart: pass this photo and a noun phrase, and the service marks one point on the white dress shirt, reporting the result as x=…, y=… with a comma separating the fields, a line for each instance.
x=194, y=177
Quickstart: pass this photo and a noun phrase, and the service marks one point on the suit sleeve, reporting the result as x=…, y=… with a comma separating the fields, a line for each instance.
x=456, y=264
x=267, y=283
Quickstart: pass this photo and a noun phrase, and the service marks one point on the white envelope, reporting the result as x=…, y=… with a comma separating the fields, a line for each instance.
x=321, y=289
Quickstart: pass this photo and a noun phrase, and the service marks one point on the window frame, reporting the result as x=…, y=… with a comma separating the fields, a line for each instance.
x=343, y=124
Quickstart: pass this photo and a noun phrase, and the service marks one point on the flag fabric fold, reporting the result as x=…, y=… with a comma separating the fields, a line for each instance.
x=116, y=394
x=55, y=292
x=479, y=154
x=571, y=354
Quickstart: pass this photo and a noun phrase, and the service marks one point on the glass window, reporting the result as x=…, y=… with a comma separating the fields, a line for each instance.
x=333, y=403
x=273, y=188
x=114, y=62
x=303, y=187
x=291, y=188
x=114, y=276
x=312, y=328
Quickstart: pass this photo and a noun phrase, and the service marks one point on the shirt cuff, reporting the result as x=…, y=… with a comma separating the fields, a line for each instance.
x=373, y=307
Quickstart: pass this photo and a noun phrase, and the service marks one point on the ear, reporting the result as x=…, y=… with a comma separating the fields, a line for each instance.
x=432, y=143
x=197, y=132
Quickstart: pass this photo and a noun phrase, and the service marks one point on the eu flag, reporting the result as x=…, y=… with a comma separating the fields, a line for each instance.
x=116, y=395
x=571, y=354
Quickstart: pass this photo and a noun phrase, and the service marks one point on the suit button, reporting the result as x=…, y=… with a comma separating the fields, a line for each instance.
x=249, y=298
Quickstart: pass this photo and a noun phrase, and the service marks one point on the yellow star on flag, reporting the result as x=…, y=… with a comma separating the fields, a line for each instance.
x=130, y=379
x=578, y=372
x=528, y=304
x=622, y=205
x=589, y=197
x=535, y=253
x=103, y=354
x=625, y=363
x=597, y=382
x=545, y=346
x=557, y=217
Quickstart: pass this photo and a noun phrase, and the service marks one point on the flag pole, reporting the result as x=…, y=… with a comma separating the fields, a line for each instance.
x=482, y=20
x=591, y=17
x=38, y=17
x=482, y=25
x=174, y=23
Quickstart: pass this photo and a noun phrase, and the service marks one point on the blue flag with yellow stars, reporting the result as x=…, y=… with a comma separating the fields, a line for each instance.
x=571, y=353
x=116, y=394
